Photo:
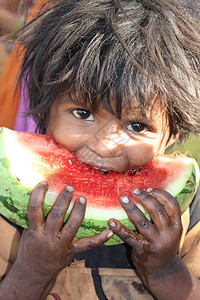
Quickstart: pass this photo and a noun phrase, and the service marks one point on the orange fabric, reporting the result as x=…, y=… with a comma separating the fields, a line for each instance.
x=9, y=97
x=4, y=57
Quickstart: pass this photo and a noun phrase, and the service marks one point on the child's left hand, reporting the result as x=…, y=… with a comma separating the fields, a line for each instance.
x=155, y=247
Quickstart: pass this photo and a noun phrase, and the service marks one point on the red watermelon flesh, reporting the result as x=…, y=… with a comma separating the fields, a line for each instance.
x=34, y=157
x=60, y=168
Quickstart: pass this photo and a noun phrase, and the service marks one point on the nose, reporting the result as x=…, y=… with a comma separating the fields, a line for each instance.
x=109, y=141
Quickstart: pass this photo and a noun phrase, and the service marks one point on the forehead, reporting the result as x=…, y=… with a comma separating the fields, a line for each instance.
x=152, y=111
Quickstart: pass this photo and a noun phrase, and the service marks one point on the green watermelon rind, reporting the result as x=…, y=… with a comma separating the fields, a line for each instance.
x=15, y=198
x=14, y=201
x=186, y=195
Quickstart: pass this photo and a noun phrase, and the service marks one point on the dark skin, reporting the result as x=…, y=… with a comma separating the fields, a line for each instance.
x=155, y=248
x=35, y=269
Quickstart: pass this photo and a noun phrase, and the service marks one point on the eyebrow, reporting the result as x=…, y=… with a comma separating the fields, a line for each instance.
x=143, y=117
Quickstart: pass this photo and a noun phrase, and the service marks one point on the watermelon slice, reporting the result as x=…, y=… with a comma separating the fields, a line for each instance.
x=28, y=158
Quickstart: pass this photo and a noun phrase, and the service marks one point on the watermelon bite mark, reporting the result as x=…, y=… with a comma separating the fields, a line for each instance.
x=28, y=158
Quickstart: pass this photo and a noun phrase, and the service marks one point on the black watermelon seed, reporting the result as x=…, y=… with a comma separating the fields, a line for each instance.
x=132, y=172
x=104, y=172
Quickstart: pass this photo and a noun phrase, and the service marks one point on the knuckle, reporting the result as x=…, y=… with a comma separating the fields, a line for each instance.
x=34, y=205
x=72, y=226
x=133, y=209
x=90, y=244
x=145, y=196
x=144, y=223
x=160, y=210
x=57, y=213
x=126, y=236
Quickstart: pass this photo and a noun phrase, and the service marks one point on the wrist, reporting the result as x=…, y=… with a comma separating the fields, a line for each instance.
x=24, y=283
x=166, y=269
x=30, y=273
x=161, y=282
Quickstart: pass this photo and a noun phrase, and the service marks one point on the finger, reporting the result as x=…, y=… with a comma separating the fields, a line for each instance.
x=36, y=206
x=136, y=216
x=74, y=221
x=169, y=202
x=88, y=243
x=56, y=216
x=157, y=211
x=127, y=235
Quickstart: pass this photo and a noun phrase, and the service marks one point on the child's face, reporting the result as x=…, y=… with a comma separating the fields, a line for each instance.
x=102, y=140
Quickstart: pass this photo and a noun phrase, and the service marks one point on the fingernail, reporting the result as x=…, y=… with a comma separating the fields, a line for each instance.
x=69, y=188
x=110, y=234
x=149, y=190
x=125, y=200
x=43, y=183
x=136, y=191
x=113, y=224
x=82, y=200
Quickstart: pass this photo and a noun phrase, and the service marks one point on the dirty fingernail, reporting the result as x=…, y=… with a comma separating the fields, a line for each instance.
x=136, y=191
x=149, y=190
x=110, y=234
x=82, y=200
x=43, y=183
x=125, y=200
x=69, y=188
x=112, y=224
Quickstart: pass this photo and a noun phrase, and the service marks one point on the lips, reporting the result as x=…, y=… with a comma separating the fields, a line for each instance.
x=113, y=163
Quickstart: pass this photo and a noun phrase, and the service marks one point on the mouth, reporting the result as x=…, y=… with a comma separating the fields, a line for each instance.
x=117, y=164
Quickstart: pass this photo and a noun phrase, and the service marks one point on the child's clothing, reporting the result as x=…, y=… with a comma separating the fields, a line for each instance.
x=107, y=272
x=23, y=122
x=9, y=93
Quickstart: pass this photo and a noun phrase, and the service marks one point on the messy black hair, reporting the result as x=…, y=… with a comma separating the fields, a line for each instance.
x=136, y=50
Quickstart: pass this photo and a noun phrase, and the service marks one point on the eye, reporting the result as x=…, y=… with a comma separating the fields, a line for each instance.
x=137, y=127
x=83, y=114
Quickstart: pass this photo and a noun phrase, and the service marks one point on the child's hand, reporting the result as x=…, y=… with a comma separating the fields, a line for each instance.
x=47, y=247
x=155, y=247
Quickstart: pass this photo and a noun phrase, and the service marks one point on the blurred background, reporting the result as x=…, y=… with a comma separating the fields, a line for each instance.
x=191, y=147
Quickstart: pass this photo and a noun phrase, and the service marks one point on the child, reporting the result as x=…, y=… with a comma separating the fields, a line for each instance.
x=114, y=82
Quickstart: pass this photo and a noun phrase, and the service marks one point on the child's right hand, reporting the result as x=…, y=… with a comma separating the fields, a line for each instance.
x=47, y=247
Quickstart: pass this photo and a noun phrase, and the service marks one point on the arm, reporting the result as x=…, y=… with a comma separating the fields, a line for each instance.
x=47, y=247
x=155, y=248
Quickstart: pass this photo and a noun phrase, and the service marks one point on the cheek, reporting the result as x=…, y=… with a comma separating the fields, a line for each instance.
x=67, y=137
x=141, y=155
